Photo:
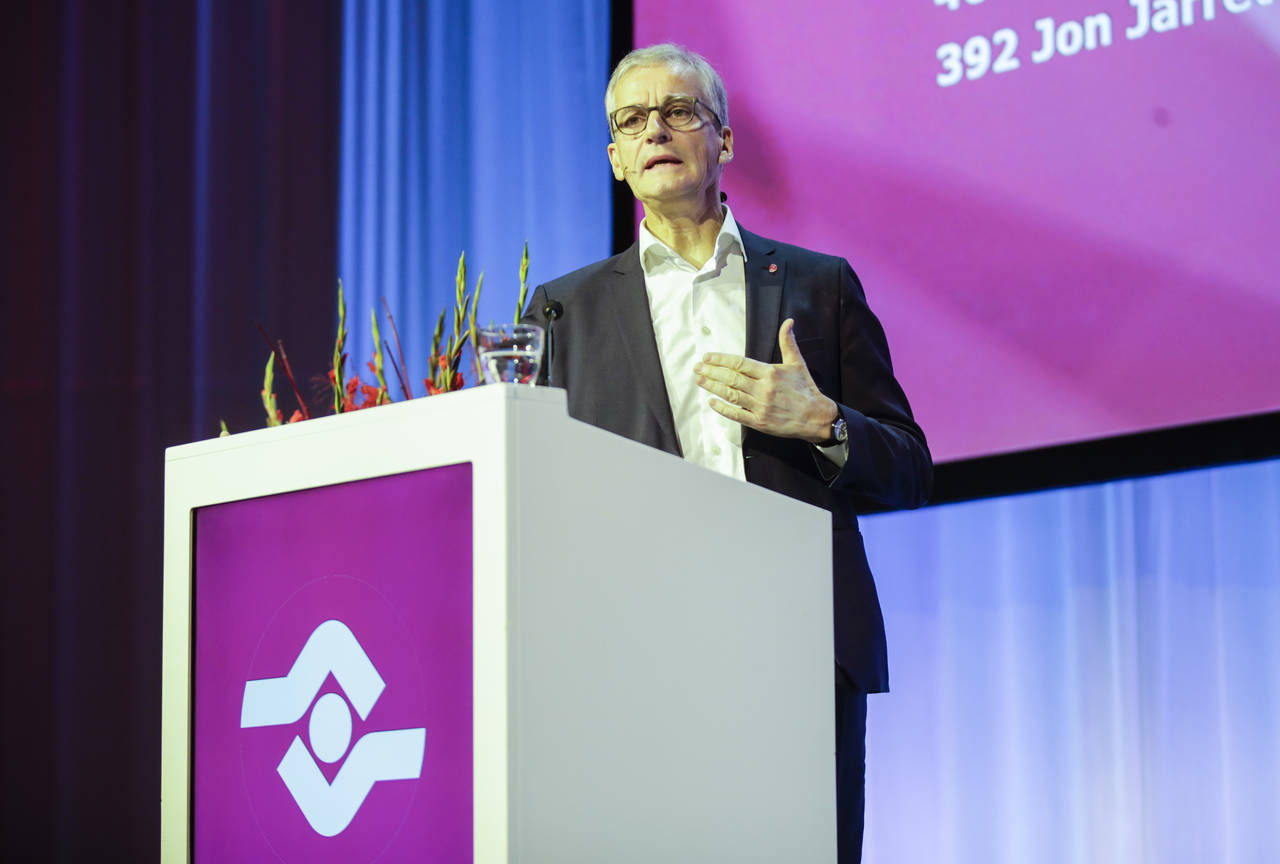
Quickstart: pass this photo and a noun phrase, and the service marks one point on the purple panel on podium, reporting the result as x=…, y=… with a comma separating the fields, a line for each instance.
x=333, y=668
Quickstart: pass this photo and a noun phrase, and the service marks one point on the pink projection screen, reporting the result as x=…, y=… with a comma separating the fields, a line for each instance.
x=1066, y=213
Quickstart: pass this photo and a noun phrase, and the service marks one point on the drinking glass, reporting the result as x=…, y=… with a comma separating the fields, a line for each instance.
x=510, y=353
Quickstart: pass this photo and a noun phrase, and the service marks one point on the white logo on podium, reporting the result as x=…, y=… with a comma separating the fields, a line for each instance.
x=395, y=754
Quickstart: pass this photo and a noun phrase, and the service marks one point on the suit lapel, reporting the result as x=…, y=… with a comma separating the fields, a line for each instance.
x=630, y=303
x=765, y=274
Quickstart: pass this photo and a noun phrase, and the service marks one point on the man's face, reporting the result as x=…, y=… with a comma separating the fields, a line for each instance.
x=665, y=166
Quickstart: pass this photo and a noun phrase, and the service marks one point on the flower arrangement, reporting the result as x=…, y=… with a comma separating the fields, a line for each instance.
x=444, y=364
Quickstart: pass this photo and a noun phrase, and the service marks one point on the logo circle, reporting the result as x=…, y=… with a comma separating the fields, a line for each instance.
x=330, y=727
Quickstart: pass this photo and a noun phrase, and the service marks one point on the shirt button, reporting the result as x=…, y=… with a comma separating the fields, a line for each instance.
x=706, y=331
x=715, y=450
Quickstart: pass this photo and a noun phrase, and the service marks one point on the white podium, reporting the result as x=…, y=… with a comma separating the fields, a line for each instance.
x=646, y=664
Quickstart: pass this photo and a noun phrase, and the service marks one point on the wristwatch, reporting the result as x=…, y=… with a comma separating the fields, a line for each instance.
x=839, y=433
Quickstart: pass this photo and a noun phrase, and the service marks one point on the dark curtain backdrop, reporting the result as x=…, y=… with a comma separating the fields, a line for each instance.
x=170, y=175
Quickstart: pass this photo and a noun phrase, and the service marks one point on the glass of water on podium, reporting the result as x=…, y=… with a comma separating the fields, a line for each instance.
x=510, y=353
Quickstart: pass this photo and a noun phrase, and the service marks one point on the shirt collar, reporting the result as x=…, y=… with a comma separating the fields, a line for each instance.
x=654, y=253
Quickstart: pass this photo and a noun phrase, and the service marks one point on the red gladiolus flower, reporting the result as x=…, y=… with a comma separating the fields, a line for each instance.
x=372, y=396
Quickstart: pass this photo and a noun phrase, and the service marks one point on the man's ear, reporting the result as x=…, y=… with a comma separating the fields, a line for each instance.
x=726, y=146
x=616, y=162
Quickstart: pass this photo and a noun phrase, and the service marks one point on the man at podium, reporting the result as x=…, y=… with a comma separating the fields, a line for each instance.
x=754, y=358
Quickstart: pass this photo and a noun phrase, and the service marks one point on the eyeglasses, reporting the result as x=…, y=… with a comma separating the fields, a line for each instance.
x=678, y=112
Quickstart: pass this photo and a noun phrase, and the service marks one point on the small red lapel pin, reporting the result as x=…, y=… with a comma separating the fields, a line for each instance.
x=773, y=268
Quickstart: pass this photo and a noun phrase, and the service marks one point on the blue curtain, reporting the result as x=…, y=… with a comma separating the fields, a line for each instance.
x=1084, y=675
x=468, y=126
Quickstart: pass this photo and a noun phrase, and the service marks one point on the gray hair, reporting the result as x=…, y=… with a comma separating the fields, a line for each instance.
x=679, y=59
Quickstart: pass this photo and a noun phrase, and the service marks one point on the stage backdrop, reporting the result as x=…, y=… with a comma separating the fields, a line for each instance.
x=174, y=179
x=1080, y=676
x=468, y=125
x=1063, y=211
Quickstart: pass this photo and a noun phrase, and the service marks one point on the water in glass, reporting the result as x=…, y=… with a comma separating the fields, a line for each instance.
x=512, y=367
x=510, y=353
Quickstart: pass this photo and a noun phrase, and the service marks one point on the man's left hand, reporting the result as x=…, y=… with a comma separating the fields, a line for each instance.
x=780, y=399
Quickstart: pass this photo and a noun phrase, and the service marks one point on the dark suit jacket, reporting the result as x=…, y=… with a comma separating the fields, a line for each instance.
x=605, y=356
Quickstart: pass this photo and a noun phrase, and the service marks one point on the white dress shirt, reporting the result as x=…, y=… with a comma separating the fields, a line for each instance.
x=695, y=311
